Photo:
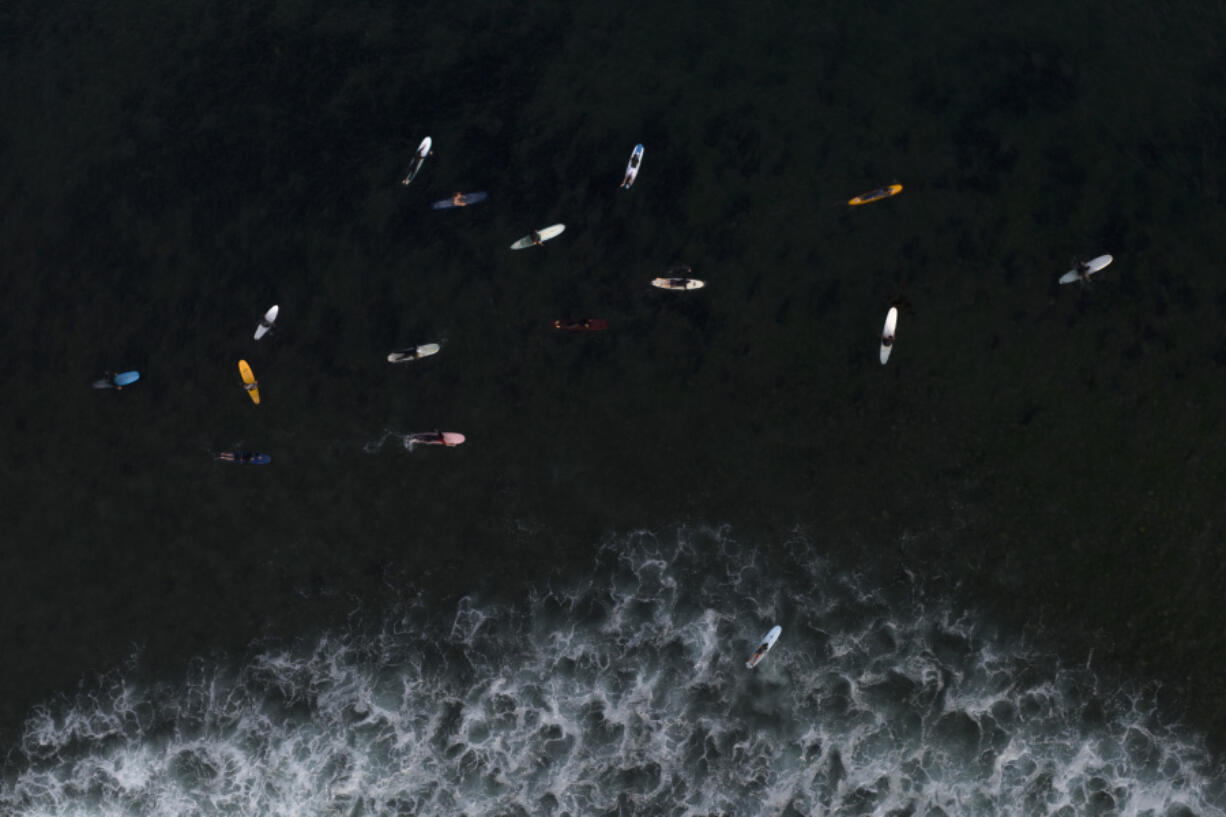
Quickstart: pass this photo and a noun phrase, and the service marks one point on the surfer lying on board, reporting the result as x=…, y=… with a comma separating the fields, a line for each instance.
x=536, y=238
x=887, y=340
x=758, y=653
x=631, y=167
x=252, y=386
x=435, y=436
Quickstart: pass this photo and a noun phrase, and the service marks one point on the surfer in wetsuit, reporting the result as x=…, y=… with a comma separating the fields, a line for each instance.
x=634, y=165
x=887, y=340
x=536, y=238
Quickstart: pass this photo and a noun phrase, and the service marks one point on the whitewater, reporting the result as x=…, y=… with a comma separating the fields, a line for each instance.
x=623, y=691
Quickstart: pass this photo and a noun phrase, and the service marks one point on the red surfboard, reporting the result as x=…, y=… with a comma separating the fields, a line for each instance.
x=582, y=325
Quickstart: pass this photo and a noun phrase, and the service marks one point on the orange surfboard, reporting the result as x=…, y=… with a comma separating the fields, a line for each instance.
x=876, y=195
x=249, y=381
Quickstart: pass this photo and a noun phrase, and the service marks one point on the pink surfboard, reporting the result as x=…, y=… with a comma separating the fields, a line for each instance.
x=449, y=438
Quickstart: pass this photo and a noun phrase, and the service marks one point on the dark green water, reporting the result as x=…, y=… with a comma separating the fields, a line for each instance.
x=1051, y=457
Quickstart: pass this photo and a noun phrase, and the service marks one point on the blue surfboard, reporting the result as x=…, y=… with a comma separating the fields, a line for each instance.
x=244, y=458
x=460, y=200
x=124, y=378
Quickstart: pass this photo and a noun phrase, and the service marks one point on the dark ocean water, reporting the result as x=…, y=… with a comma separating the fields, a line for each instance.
x=1044, y=460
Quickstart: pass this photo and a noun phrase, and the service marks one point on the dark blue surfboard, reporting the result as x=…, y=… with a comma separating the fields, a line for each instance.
x=460, y=200
x=244, y=458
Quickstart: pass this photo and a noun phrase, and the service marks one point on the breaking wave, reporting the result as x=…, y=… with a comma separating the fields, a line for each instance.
x=626, y=693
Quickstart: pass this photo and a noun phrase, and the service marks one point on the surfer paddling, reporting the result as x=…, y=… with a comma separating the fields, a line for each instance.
x=1085, y=269
x=423, y=150
x=582, y=325
x=764, y=646
x=448, y=438
x=887, y=334
x=117, y=381
x=632, y=167
x=538, y=237
x=267, y=322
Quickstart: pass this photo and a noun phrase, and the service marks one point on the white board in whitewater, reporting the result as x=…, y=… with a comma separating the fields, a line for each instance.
x=764, y=646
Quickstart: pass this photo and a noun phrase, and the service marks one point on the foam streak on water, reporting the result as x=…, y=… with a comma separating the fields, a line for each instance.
x=626, y=694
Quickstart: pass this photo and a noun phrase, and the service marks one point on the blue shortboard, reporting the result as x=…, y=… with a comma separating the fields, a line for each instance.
x=460, y=200
x=117, y=381
x=244, y=458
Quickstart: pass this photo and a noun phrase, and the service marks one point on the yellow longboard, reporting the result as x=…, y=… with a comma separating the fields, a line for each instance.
x=249, y=381
x=876, y=195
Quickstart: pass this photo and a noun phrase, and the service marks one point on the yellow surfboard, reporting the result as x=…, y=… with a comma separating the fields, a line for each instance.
x=876, y=195
x=249, y=381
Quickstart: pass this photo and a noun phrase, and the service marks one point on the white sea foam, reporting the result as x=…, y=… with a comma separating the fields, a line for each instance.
x=626, y=693
x=404, y=439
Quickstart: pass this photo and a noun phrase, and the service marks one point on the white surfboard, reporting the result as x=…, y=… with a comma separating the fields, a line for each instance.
x=1085, y=271
x=764, y=646
x=887, y=333
x=270, y=317
x=678, y=283
x=545, y=234
x=423, y=150
x=632, y=167
x=405, y=355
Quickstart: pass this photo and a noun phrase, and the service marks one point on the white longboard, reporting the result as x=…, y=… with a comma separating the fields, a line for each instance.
x=423, y=150
x=270, y=317
x=678, y=283
x=632, y=167
x=887, y=333
x=764, y=646
x=1085, y=271
x=545, y=234
x=405, y=355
